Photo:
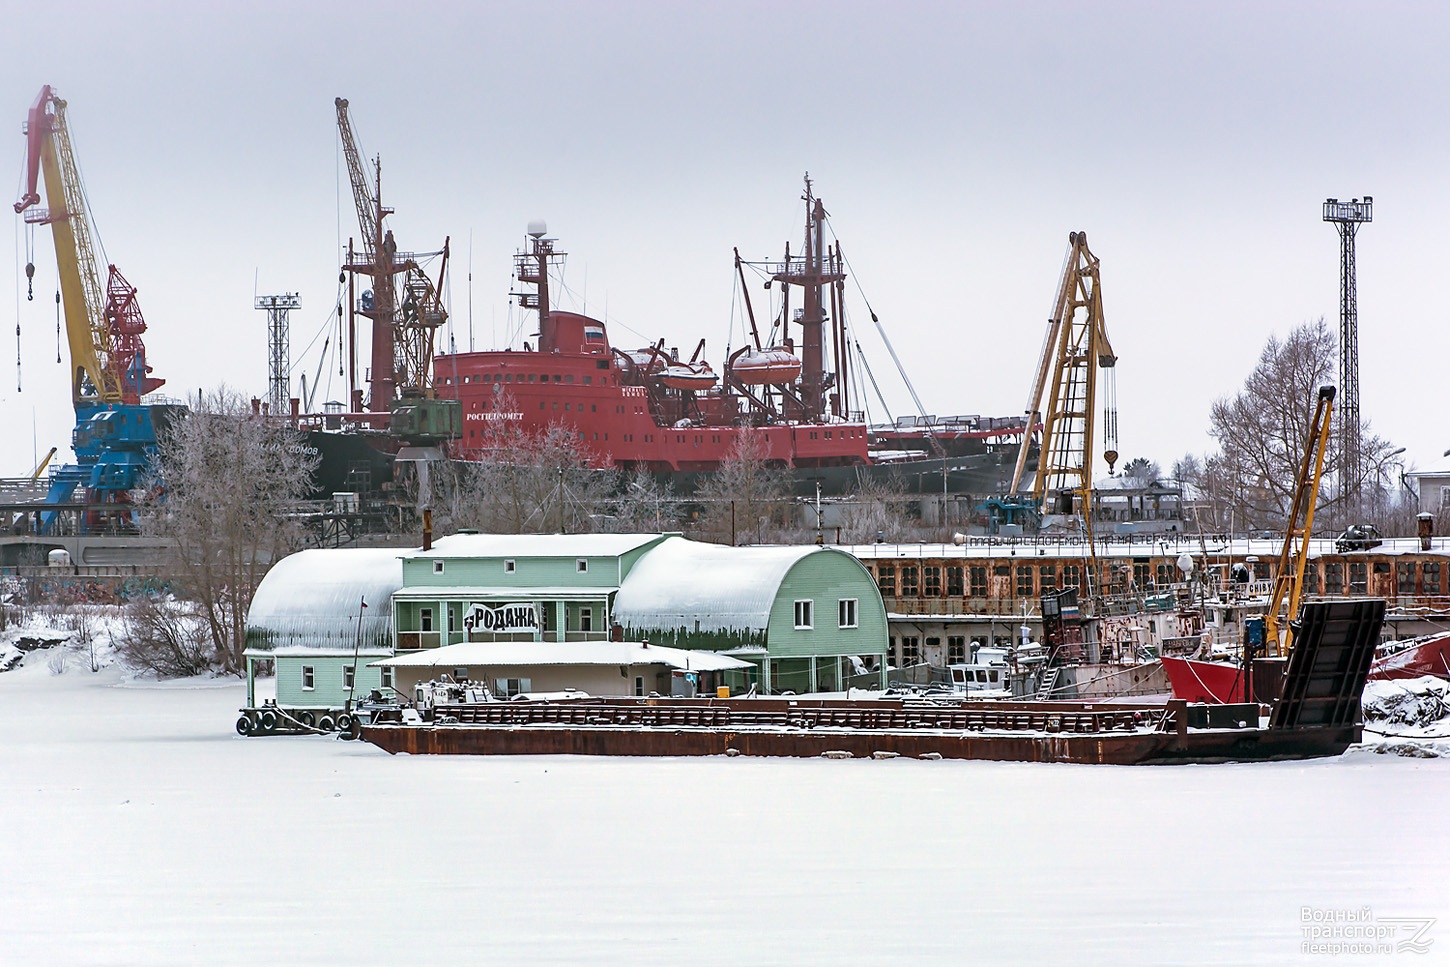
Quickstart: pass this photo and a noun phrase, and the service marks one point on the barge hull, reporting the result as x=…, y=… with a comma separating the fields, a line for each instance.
x=1128, y=748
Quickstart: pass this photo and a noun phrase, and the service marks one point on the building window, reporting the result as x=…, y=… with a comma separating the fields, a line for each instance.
x=387, y=676
x=425, y=619
x=1047, y=578
x=1072, y=575
x=978, y=574
x=955, y=587
x=1165, y=575
x=581, y=565
x=639, y=685
x=437, y=567
x=1333, y=577
x=910, y=650
x=509, y=567
x=1140, y=575
x=932, y=584
x=309, y=678
x=1024, y=581
x=347, y=676
x=886, y=580
x=1358, y=577
x=847, y=612
x=509, y=687
x=910, y=584
x=956, y=649
x=804, y=614
x=1311, y=578
x=1430, y=577
x=586, y=619
x=1405, y=577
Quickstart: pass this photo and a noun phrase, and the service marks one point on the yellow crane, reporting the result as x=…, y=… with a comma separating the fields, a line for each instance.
x=1064, y=392
x=93, y=377
x=1289, y=578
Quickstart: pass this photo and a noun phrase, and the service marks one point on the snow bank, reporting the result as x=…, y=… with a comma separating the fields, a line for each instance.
x=1408, y=717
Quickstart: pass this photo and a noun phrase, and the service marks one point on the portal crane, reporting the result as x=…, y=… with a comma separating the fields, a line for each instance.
x=114, y=437
x=1289, y=578
x=403, y=335
x=1075, y=349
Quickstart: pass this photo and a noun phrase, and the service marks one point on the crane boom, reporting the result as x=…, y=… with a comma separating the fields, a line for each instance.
x=94, y=379
x=1064, y=391
x=379, y=262
x=1289, y=578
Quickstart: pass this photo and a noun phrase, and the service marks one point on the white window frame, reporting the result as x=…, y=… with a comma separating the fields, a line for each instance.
x=509, y=566
x=848, y=613
x=805, y=614
x=387, y=679
x=309, y=678
x=586, y=618
x=425, y=620
x=349, y=675
x=437, y=567
x=581, y=566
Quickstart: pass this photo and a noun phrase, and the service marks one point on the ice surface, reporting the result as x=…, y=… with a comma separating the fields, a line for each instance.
x=139, y=829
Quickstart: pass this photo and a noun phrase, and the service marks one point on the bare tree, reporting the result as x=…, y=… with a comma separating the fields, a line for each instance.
x=644, y=504
x=747, y=495
x=876, y=511
x=226, y=483
x=525, y=483
x=1262, y=433
x=165, y=636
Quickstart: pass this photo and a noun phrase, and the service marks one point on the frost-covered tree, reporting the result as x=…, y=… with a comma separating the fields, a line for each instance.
x=225, y=487
x=747, y=496
x=525, y=483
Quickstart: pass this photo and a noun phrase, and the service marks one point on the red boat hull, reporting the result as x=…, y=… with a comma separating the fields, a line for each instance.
x=1428, y=657
x=1217, y=683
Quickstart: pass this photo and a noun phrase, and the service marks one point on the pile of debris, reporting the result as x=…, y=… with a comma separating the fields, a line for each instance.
x=1406, y=717
x=15, y=646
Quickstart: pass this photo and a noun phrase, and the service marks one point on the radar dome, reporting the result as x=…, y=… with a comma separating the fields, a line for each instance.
x=537, y=228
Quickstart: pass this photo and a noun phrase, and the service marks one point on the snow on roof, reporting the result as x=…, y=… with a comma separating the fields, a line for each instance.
x=1002, y=550
x=499, y=654
x=525, y=592
x=313, y=599
x=533, y=545
x=723, y=588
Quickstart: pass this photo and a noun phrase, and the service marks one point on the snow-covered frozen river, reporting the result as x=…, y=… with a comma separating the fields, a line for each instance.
x=138, y=828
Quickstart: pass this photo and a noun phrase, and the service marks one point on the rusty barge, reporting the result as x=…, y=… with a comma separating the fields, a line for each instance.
x=1315, y=712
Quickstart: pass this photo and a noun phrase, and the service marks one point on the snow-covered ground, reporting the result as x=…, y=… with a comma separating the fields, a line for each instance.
x=138, y=828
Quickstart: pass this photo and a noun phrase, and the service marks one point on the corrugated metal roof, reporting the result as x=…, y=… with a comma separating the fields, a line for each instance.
x=532, y=545
x=499, y=654
x=312, y=599
x=724, y=588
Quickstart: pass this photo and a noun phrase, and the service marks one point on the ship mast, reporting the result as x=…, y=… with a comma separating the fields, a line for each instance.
x=532, y=267
x=812, y=273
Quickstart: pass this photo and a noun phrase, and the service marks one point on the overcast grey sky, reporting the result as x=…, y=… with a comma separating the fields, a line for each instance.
x=955, y=145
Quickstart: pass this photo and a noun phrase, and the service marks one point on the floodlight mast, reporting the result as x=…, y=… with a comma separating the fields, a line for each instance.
x=1346, y=217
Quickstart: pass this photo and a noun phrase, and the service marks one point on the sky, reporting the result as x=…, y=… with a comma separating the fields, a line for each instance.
x=955, y=145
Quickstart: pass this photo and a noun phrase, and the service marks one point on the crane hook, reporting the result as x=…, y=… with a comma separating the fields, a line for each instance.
x=29, y=281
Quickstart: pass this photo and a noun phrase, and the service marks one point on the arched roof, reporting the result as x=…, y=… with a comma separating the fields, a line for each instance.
x=313, y=599
x=724, y=588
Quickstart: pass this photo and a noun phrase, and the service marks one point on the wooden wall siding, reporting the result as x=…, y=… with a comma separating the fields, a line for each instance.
x=825, y=579
x=329, y=691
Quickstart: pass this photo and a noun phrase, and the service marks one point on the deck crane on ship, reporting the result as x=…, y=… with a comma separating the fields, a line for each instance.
x=405, y=308
x=115, y=433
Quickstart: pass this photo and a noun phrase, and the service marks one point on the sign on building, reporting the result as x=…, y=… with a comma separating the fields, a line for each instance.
x=517, y=616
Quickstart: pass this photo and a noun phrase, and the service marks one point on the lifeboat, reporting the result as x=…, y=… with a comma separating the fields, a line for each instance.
x=692, y=377
x=766, y=367
x=646, y=361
